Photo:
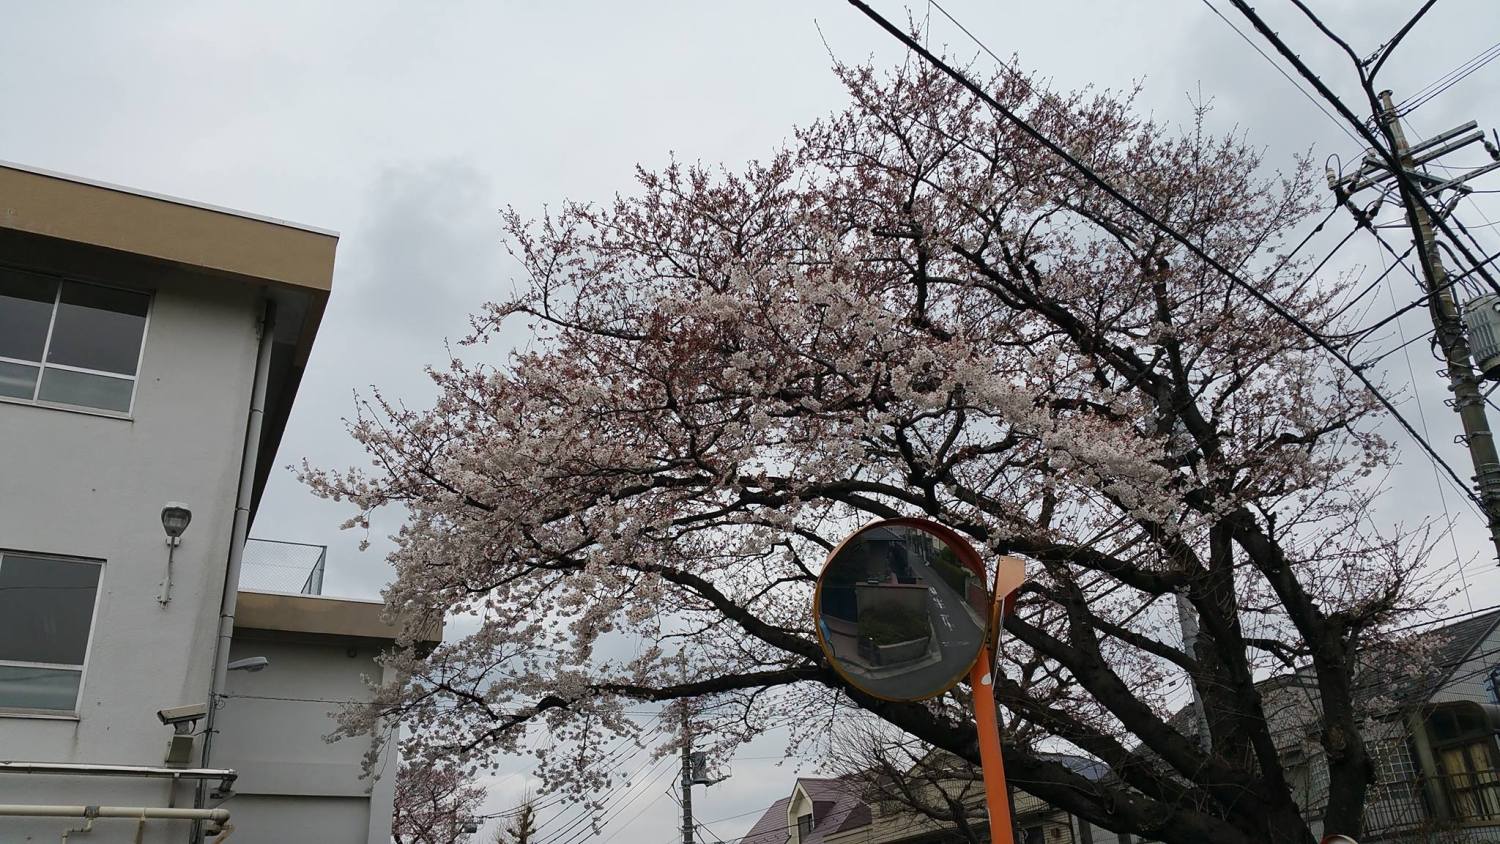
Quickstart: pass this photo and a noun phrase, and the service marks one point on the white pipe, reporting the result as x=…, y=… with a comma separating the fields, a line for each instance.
x=81, y=769
x=239, y=533
x=42, y=810
x=241, y=529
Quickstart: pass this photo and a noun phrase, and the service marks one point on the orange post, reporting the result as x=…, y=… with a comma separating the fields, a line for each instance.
x=997, y=795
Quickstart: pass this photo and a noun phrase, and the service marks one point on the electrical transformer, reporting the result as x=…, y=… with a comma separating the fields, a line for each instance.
x=1482, y=319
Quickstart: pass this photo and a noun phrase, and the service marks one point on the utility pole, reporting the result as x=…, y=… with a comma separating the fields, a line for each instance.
x=687, y=779
x=1187, y=620
x=1447, y=319
x=694, y=772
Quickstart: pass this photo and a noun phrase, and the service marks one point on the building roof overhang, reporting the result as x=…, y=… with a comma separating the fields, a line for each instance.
x=320, y=617
x=293, y=263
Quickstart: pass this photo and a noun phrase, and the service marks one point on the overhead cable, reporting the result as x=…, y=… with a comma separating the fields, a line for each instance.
x=1166, y=228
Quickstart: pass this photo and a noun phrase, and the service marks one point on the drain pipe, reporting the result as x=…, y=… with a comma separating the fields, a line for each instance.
x=240, y=532
x=215, y=817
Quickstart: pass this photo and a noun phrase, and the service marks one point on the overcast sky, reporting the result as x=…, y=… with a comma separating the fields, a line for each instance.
x=407, y=126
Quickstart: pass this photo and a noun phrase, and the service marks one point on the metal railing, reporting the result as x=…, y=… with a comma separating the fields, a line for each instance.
x=273, y=566
x=1403, y=810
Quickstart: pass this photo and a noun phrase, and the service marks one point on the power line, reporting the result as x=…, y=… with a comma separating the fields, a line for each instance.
x=1386, y=50
x=1463, y=575
x=1447, y=618
x=1166, y=228
x=639, y=812
x=1448, y=80
x=1281, y=70
x=1372, y=287
x=615, y=754
x=585, y=825
x=1418, y=200
x=584, y=814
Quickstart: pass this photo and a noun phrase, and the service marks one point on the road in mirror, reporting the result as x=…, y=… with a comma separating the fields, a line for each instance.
x=899, y=613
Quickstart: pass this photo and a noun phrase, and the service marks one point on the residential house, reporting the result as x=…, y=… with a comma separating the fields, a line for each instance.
x=1433, y=737
x=847, y=810
x=1431, y=733
x=1433, y=740
x=150, y=352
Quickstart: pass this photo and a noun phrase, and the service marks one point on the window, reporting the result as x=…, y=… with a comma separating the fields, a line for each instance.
x=1034, y=835
x=1464, y=744
x=46, y=611
x=69, y=343
x=804, y=827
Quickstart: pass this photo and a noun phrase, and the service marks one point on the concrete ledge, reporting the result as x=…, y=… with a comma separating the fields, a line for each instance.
x=321, y=616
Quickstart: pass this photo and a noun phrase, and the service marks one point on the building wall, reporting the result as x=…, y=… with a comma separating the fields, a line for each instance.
x=84, y=485
x=273, y=727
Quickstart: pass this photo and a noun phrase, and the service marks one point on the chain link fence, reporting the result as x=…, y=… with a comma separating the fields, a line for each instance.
x=293, y=567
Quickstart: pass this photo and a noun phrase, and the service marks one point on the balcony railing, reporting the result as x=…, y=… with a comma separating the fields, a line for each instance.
x=1398, y=810
x=294, y=567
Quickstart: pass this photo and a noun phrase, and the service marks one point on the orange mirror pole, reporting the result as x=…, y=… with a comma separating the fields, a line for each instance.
x=986, y=720
x=1010, y=573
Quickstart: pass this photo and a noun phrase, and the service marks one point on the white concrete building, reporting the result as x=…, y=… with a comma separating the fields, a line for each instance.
x=150, y=350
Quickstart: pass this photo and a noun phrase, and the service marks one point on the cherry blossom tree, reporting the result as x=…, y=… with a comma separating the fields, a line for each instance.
x=433, y=804
x=910, y=309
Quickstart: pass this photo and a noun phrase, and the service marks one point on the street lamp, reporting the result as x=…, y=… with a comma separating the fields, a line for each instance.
x=251, y=664
x=174, y=520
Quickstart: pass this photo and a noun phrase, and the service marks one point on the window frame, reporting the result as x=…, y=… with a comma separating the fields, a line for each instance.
x=1467, y=799
x=42, y=365
x=88, y=650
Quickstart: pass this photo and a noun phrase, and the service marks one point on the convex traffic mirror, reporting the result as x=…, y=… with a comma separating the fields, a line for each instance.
x=902, y=608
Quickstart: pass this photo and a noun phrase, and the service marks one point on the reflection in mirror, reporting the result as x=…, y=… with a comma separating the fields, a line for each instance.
x=899, y=613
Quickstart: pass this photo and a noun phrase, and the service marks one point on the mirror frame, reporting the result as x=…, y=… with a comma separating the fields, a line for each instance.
x=966, y=554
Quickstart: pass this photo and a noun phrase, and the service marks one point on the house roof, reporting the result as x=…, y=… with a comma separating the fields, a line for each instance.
x=1387, y=676
x=770, y=824
x=837, y=807
x=1451, y=646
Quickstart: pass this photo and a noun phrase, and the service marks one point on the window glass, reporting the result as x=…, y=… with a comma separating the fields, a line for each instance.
x=24, y=687
x=98, y=328
x=17, y=380
x=25, y=312
x=46, y=607
x=102, y=391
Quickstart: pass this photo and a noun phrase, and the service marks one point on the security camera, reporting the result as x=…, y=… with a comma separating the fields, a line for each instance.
x=182, y=717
